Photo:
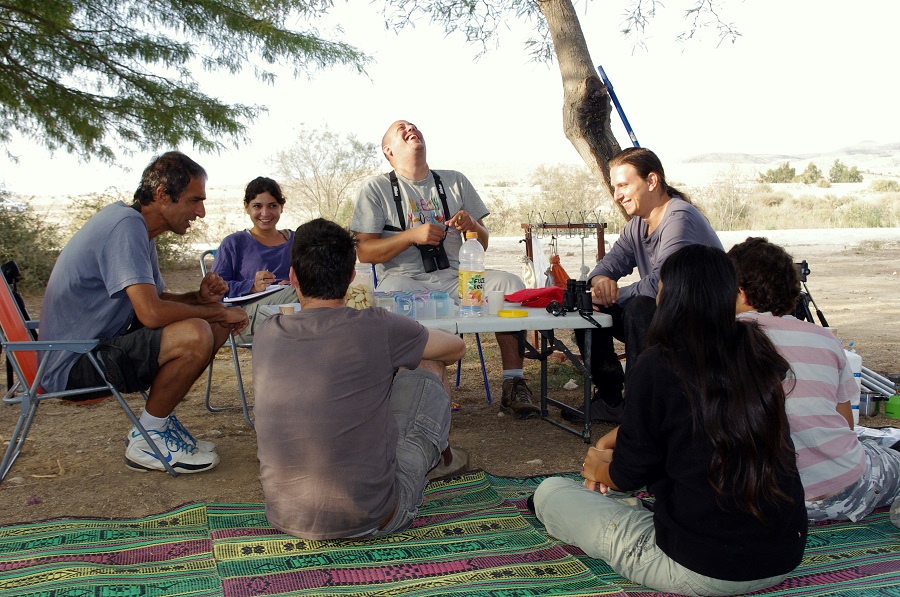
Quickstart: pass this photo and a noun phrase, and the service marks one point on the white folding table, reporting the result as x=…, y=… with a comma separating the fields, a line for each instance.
x=539, y=320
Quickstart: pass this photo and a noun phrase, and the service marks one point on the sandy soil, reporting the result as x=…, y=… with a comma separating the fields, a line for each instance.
x=72, y=464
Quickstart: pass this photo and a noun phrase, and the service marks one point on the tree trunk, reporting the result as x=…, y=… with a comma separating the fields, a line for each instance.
x=586, y=104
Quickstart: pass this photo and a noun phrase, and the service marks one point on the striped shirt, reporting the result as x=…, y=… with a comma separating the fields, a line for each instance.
x=829, y=455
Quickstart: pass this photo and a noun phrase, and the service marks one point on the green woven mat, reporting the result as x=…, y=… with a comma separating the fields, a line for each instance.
x=466, y=541
x=474, y=537
x=168, y=555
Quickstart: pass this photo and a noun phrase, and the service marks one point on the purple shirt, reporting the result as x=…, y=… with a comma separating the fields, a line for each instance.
x=240, y=256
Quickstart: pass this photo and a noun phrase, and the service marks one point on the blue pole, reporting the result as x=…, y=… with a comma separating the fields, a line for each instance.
x=615, y=100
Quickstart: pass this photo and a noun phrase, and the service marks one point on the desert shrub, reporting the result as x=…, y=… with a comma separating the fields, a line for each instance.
x=823, y=183
x=783, y=173
x=767, y=199
x=864, y=215
x=841, y=173
x=884, y=186
x=31, y=242
x=507, y=214
x=811, y=175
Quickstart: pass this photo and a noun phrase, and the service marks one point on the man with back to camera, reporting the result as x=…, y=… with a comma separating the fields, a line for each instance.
x=844, y=478
x=412, y=223
x=106, y=284
x=352, y=406
x=662, y=221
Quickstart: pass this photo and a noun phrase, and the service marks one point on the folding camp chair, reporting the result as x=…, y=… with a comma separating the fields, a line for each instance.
x=233, y=345
x=28, y=358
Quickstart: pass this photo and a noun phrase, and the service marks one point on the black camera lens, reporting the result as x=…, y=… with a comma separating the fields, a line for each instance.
x=555, y=309
x=569, y=296
x=434, y=257
x=440, y=256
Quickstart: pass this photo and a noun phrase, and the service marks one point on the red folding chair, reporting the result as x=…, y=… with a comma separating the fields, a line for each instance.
x=28, y=358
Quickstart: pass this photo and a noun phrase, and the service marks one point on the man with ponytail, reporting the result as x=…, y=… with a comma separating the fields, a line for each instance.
x=662, y=221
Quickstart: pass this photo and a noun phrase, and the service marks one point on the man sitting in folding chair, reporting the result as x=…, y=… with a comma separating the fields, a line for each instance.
x=106, y=284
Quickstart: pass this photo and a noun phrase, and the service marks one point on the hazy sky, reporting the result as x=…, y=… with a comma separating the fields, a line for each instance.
x=806, y=76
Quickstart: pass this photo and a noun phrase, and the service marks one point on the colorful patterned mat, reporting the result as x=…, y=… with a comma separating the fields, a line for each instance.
x=474, y=537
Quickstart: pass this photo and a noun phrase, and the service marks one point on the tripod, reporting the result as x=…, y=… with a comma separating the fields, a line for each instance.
x=802, y=311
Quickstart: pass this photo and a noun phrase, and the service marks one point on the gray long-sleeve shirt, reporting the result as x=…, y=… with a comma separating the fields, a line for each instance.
x=682, y=224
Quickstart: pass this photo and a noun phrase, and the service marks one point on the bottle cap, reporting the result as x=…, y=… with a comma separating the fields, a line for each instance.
x=471, y=234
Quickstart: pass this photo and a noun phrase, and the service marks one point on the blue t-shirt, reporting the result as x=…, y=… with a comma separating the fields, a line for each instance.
x=85, y=296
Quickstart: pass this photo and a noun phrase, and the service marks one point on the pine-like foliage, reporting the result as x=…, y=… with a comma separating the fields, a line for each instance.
x=94, y=77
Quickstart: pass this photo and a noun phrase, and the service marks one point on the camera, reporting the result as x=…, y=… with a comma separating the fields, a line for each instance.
x=576, y=297
x=802, y=270
x=434, y=257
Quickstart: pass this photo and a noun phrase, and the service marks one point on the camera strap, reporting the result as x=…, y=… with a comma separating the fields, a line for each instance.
x=395, y=189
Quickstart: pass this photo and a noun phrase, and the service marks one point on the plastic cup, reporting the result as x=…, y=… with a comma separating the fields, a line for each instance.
x=495, y=302
x=443, y=305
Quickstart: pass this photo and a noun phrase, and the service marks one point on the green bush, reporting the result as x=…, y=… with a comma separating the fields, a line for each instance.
x=884, y=186
x=31, y=242
x=783, y=173
x=840, y=173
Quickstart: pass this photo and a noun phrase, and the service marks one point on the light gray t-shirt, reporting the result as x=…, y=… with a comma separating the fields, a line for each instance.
x=376, y=213
x=326, y=437
x=85, y=296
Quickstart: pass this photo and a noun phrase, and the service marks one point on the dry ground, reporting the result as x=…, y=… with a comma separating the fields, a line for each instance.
x=72, y=464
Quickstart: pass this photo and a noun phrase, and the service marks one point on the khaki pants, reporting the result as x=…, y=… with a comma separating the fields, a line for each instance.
x=620, y=532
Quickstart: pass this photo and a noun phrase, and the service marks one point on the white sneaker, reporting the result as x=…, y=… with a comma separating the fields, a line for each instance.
x=175, y=426
x=182, y=456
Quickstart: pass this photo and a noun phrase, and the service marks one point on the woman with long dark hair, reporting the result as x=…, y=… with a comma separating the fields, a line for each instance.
x=705, y=431
x=252, y=260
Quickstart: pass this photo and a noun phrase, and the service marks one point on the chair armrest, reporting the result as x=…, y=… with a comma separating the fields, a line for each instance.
x=80, y=346
x=32, y=324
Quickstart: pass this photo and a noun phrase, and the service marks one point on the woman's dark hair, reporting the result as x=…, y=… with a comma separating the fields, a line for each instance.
x=731, y=373
x=173, y=171
x=645, y=162
x=767, y=274
x=261, y=184
x=323, y=255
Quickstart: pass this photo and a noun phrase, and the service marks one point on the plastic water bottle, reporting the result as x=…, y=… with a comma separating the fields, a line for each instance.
x=471, y=277
x=855, y=362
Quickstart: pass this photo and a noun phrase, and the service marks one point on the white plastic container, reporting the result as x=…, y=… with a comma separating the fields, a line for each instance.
x=855, y=362
x=471, y=277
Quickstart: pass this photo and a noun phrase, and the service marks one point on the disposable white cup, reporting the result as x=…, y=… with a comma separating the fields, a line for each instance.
x=495, y=301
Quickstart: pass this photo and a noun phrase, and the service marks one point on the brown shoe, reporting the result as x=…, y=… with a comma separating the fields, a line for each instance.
x=517, y=399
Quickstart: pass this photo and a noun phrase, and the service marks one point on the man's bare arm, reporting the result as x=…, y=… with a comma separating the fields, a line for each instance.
x=444, y=347
x=374, y=249
x=154, y=311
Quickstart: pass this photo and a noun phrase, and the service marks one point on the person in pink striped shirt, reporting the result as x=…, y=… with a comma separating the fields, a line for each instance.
x=844, y=478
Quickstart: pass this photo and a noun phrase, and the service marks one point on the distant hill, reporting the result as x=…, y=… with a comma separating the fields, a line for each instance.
x=872, y=159
x=863, y=149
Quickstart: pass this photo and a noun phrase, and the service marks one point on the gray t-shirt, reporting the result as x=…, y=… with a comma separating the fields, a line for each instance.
x=85, y=296
x=682, y=224
x=376, y=213
x=326, y=437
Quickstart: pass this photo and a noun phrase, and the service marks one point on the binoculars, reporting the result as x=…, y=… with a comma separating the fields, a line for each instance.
x=576, y=297
x=434, y=257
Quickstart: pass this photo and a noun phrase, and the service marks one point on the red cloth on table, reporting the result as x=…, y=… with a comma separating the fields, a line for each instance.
x=536, y=297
